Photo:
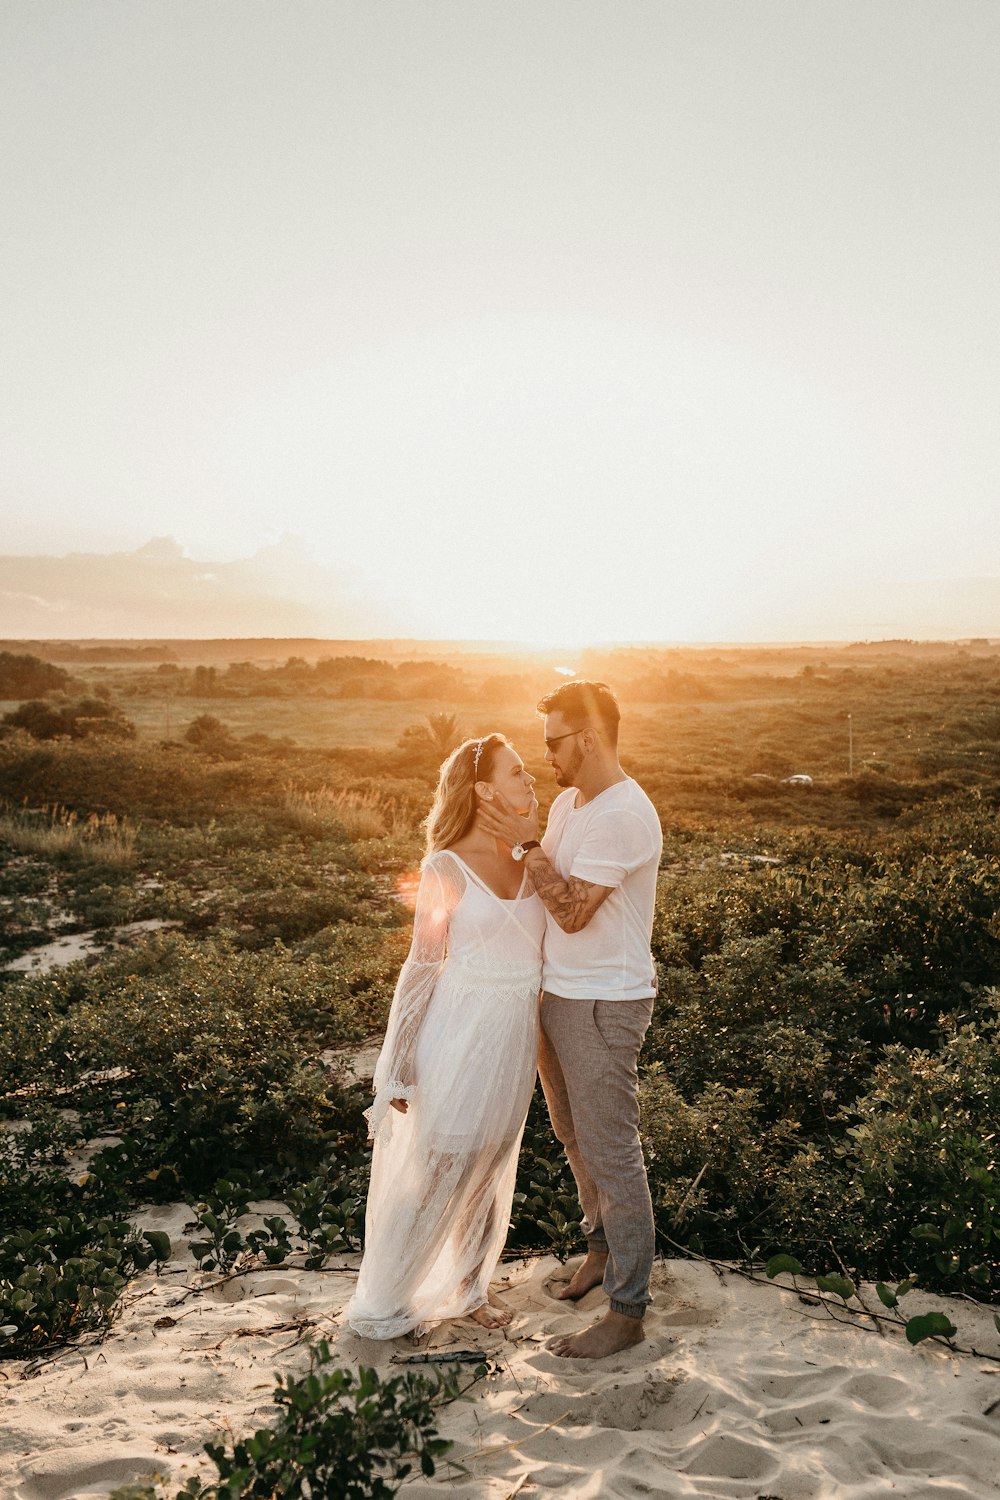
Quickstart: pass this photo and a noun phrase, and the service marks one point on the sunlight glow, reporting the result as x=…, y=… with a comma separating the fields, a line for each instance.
x=406, y=889
x=592, y=480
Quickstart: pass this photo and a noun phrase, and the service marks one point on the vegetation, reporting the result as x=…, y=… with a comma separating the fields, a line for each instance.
x=356, y=1437
x=59, y=717
x=822, y=1075
x=25, y=676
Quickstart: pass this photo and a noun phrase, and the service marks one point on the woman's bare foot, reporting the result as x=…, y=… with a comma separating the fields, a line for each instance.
x=611, y=1335
x=589, y=1273
x=491, y=1317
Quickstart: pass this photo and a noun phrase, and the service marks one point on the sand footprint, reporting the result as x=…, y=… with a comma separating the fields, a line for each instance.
x=73, y=1479
x=875, y=1389
x=725, y=1456
x=642, y=1404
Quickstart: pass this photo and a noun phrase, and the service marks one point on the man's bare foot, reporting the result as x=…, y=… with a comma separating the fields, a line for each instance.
x=611, y=1335
x=490, y=1317
x=589, y=1273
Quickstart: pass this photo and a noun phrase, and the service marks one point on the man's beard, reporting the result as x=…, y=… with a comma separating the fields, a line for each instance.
x=565, y=777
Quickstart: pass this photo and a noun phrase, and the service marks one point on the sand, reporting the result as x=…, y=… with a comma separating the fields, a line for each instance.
x=76, y=945
x=740, y=1390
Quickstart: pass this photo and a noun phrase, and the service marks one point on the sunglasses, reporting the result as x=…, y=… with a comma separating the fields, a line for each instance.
x=550, y=744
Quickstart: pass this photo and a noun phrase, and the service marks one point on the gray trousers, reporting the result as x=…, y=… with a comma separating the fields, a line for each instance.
x=587, y=1061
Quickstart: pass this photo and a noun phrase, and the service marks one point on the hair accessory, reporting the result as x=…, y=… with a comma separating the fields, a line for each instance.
x=475, y=758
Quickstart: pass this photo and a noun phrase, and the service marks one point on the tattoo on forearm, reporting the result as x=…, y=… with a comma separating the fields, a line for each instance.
x=571, y=901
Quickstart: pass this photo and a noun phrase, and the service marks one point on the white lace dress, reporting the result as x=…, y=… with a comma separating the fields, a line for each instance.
x=461, y=1045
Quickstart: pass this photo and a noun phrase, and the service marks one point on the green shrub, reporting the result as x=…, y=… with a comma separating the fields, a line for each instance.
x=24, y=676
x=924, y=1151
x=82, y=718
x=714, y=1165
x=197, y=1055
x=66, y=1278
x=337, y=1434
x=546, y=1211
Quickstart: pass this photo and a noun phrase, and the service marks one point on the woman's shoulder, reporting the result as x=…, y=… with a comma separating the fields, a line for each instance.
x=444, y=863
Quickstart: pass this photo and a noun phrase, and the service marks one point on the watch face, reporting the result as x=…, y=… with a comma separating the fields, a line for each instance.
x=517, y=852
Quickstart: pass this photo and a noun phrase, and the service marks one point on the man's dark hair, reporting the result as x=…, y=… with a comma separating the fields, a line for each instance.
x=582, y=703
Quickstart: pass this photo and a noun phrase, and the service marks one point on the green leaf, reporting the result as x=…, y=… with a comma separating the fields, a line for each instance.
x=926, y=1232
x=779, y=1263
x=928, y=1326
x=839, y=1286
x=159, y=1241
x=886, y=1295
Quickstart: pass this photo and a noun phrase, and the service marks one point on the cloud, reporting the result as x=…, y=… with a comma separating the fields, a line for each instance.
x=158, y=591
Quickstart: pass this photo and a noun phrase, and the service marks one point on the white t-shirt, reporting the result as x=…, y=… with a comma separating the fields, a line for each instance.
x=614, y=839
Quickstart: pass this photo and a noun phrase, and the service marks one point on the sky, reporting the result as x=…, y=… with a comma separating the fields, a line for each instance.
x=543, y=320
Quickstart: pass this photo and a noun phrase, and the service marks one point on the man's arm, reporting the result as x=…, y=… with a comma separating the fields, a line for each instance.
x=572, y=902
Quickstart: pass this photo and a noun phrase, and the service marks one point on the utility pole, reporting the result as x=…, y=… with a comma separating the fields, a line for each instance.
x=850, y=744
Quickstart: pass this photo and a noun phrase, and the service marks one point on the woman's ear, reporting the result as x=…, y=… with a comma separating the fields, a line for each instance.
x=484, y=790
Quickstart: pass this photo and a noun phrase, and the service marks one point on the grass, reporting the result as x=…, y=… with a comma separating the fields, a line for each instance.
x=318, y=723
x=100, y=838
x=361, y=815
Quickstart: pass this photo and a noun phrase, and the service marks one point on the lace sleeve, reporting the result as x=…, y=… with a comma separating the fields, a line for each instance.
x=441, y=886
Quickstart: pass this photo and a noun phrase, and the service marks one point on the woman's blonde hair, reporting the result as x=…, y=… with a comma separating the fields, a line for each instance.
x=454, y=805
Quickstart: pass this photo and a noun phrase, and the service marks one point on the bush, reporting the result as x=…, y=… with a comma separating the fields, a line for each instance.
x=65, y=1251
x=76, y=719
x=714, y=1166
x=923, y=1150
x=29, y=676
x=546, y=1212
x=337, y=1434
x=66, y=1278
x=196, y=1054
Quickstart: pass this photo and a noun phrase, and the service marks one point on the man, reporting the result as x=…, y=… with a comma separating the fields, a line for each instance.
x=595, y=871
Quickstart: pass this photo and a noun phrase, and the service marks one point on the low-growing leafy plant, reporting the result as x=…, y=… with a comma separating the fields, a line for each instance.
x=330, y=1209
x=66, y=1278
x=929, y=1325
x=546, y=1211
x=225, y=1205
x=328, y=1212
x=337, y=1436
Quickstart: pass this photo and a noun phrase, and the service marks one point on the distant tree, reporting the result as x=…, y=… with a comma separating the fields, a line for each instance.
x=208, y=733
x=432, y=740
x=29, y=676
x=444, y=733
x=75, y=719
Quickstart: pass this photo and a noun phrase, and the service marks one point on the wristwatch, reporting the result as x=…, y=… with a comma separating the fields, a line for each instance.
x=520, y=850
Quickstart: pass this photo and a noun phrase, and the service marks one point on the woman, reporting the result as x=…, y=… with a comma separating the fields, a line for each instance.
x=457, y=1068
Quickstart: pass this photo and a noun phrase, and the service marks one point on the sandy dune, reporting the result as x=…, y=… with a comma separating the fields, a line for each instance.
x=740, y=1390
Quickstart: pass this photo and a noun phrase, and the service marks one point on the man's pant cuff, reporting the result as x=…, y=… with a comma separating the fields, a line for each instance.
x=630, y=1309
x=598, y=1241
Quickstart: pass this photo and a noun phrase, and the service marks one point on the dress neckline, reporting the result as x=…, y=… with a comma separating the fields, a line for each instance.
x=505, y=900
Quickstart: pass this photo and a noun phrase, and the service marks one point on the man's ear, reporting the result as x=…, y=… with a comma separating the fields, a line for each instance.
x=589, y=739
